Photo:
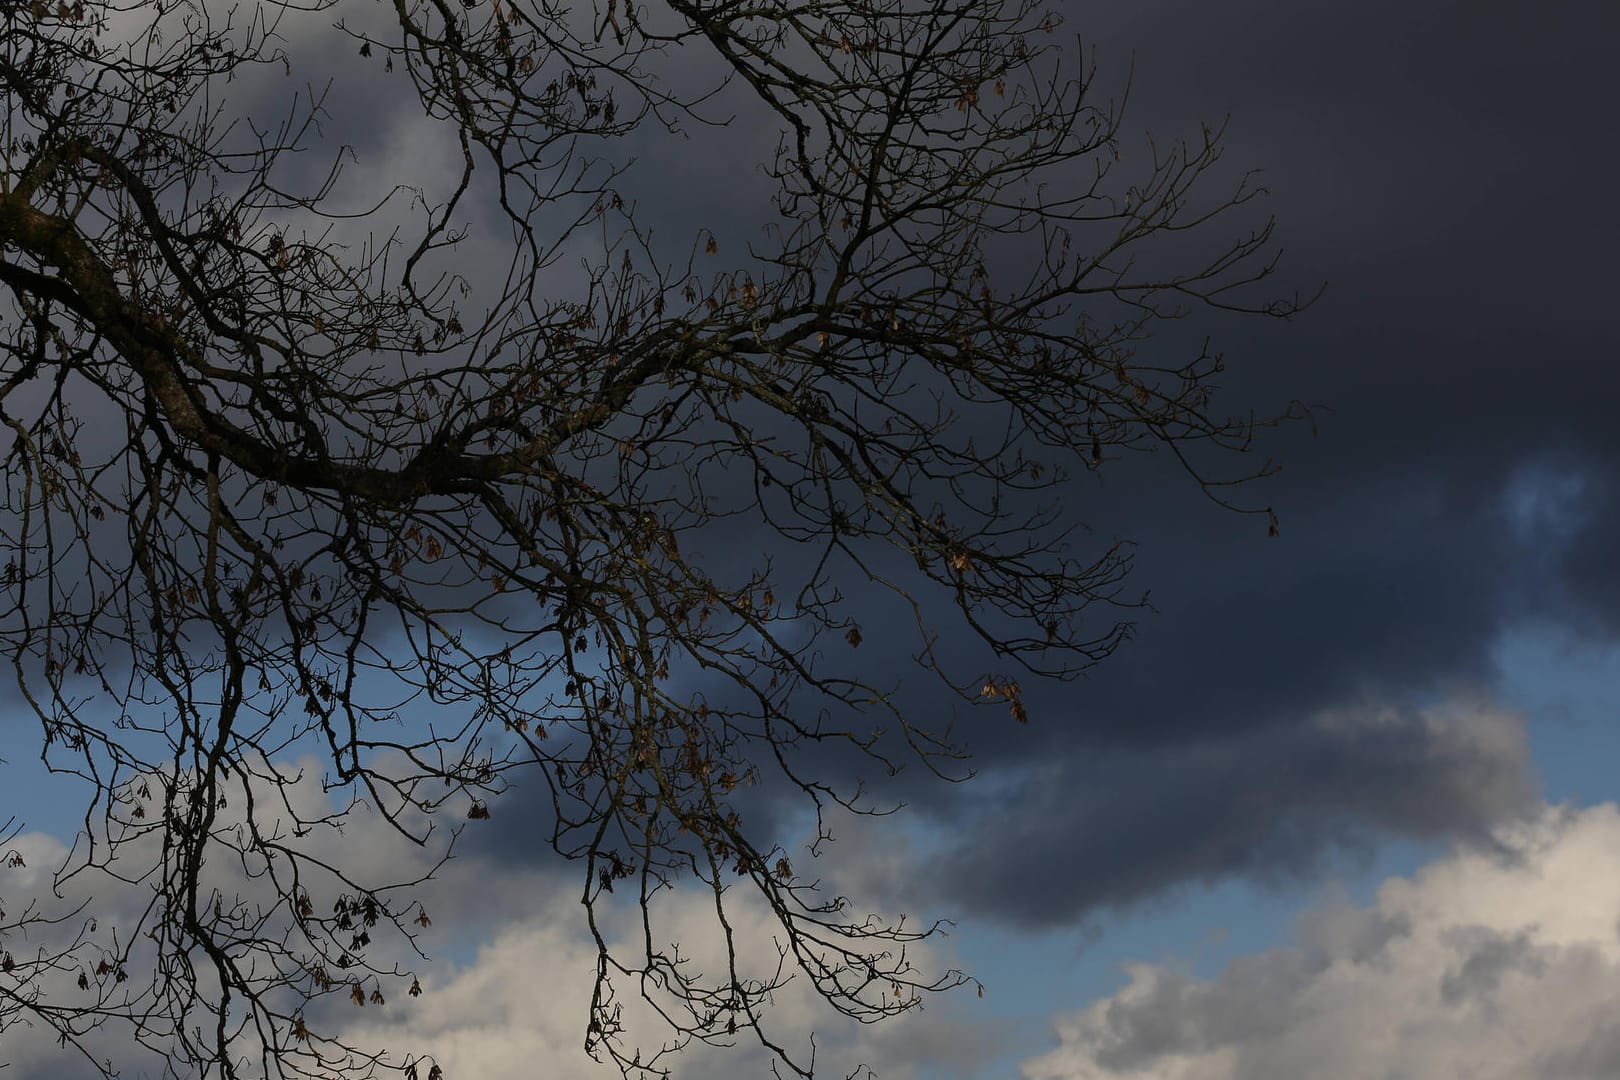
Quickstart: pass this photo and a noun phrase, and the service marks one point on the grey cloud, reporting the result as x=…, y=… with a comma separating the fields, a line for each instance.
x=1597, y=1057
x=1486, y=956
x=1179, y=1014
x=1503, y=968
x=1119, y=826
x=1340, y=931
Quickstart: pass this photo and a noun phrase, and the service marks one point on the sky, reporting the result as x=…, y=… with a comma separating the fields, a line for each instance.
x=1344, y=806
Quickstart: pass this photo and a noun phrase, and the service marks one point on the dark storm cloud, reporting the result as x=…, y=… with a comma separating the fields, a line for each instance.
x=1439, y=167
x=1112, y=827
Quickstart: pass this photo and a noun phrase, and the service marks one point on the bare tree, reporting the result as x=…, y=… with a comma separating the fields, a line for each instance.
x=293, y=459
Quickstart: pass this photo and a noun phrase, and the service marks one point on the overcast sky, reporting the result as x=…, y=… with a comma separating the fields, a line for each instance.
x=1355, y=779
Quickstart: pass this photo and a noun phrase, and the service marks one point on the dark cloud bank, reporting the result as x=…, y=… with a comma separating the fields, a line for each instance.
x=1441, y=167
x=1463, y=480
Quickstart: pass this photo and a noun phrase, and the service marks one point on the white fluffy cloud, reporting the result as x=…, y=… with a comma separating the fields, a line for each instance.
x=517, y=1004
x=519, y=1007
x=1494, y=964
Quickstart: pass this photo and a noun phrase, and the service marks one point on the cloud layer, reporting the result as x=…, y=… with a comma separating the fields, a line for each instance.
x=519, y=1008
x=1493, y=962
x=1121, y=825
x=508, y=970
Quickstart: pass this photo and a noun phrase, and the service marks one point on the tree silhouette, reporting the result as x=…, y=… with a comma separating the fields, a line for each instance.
x=313, y=460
